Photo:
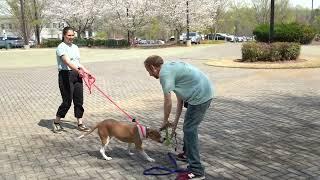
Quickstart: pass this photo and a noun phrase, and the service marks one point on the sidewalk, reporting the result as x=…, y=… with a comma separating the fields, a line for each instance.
x=263, y=124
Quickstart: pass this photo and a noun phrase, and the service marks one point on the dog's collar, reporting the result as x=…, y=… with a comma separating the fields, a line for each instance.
x=142, y=131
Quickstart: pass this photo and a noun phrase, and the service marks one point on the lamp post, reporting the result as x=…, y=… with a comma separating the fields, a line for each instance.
x=311, y=19
x=271, y=22
x=188, y=28
x=128, y=27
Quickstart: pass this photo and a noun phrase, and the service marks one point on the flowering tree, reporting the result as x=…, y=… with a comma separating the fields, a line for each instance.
x=12, y=8
x=173, y=13
x=212, y=11
x=130, y=15
x=79, y=14
x=262, y=9
x=198, y=12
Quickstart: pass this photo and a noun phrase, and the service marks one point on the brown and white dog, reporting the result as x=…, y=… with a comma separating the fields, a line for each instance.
x=130, y=133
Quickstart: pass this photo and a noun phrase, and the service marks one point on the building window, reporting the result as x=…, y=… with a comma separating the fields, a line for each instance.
x=10, y=26
x=55, y=25
x=48, y=25
x=61, y=25
x=2, y=26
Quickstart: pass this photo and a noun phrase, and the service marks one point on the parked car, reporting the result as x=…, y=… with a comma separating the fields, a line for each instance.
x=11, y=42
x=183, y=36
x=231, y=38
x=195, y=37
x=217, y=36
x=32, y=43
x=171, y=38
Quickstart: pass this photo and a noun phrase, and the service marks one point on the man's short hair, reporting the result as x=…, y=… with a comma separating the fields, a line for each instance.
x=153, y=60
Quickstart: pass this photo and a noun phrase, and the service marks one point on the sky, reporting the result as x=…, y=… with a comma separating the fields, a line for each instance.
x=303, y=3
x=306, y=3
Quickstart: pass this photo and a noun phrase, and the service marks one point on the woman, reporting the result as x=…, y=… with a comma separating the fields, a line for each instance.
x=70, y=81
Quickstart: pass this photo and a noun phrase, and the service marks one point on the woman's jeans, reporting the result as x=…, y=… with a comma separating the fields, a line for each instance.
x=192, y=119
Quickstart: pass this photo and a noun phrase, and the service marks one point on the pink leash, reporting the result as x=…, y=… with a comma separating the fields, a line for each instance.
x=89, y=80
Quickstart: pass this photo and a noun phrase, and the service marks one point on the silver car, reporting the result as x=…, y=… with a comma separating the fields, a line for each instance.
x=195, y=38
x=11, y=42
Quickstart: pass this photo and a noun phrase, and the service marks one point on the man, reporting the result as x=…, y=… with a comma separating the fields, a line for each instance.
x=192, y=86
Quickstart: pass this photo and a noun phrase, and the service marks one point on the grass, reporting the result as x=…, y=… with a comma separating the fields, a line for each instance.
x=34, y=57
x=307, y=62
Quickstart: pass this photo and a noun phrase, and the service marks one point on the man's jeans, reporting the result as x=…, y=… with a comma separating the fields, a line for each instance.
x=192, y=119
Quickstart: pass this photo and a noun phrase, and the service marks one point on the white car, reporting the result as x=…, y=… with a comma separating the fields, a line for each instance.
x=195, y=38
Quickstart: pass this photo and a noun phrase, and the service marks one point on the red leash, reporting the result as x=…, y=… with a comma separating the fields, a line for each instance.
x=109, y=98
x=89, y=80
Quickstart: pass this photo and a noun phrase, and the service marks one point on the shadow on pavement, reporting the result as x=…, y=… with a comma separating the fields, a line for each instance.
x=65, y=124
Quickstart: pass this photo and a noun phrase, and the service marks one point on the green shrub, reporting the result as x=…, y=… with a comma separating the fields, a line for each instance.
x=81, y=42
x=290, y=51
x=280, y=51
x=109, y=43
x=261, y=33
x=48, y=43
x=292, y=32
x=276, y=52
x=98, y=42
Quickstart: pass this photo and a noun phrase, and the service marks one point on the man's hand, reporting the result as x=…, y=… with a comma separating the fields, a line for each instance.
x=165, y=125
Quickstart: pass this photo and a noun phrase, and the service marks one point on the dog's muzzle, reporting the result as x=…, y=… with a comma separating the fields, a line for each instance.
x=162, y=139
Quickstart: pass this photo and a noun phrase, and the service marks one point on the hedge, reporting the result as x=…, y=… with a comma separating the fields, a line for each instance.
x=110, y=43
x=279, y=51
x=292, y=32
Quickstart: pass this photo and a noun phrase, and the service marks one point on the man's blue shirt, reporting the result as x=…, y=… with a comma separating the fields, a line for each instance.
x=186, y=81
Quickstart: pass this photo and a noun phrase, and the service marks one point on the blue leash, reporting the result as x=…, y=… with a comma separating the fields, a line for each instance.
x=162, y=171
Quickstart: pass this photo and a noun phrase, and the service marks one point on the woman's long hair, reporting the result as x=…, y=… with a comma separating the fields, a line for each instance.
x=65, y=30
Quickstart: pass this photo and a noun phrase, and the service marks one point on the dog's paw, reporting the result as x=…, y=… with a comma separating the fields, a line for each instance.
x=108, y=158
x=151, y=160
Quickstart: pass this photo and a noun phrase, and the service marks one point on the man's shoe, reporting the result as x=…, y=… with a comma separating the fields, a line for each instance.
x=182, y=157
x=189, y=175
x=82, y=127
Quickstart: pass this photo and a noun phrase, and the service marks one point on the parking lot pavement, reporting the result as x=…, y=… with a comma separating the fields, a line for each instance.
x=263, y=124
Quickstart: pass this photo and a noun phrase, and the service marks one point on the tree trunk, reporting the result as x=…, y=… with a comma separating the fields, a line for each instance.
x=37, y=28
x=23, y=23
x=177, y=36
x=79, y=32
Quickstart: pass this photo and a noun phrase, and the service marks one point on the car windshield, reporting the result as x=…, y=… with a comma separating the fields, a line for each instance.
x=14, y=38
x=192, y=34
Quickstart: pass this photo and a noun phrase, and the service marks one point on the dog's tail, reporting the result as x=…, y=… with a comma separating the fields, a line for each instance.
x=87, y=133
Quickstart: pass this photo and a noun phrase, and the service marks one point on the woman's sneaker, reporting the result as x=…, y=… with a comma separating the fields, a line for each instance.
x=189, y=175
x=56, y=127
x=82, y=127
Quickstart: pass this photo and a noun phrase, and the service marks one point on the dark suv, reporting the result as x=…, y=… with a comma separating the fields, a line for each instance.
x=11, y=42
